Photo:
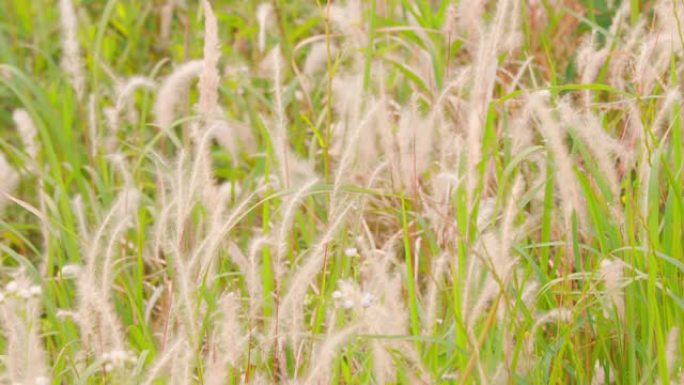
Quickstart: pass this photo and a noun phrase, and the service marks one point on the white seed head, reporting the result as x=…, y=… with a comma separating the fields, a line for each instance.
x=70, y=270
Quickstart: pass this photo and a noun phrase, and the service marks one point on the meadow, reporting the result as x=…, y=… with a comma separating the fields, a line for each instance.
x=341, y=192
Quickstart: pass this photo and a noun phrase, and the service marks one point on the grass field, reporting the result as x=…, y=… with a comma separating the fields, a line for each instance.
x=341, y=192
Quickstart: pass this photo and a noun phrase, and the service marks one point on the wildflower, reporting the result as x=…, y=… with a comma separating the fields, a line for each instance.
x=27, y=292
x=12, y=287
x=64, y=314
x=117, y=359
x=367, y=299
x=70, y=270
x=351, y=252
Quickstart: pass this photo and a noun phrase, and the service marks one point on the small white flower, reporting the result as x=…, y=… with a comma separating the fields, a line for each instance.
x=12, y=287
x=25, y=293
x=367, y=299
x=348, y=304
x=42, y=380
x=117, y=358
x=70, y=270
x=337, y=294
x=64, y=314
x=35, y=290
x=351, y=252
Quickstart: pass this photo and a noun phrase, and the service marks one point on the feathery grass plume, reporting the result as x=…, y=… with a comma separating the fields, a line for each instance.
x=227, y=343
x=9, y=178
x=27, y=132
x=599, y=375
x=485, y=63
x=554, y=315
x=125, y=100
x=468, y=21
x=604, y=147
x=202, y=131
x=284, y=227
x=611, y=272
x=414, y=142
x=451, y=19
x=24, y=357
x=293, y=169
x=324, y=353
x=173, y=90
x=164, y=360
x=166, y=17
x=250, y=267
x=347, y=105
x=438, y=269
x=290, y=315
x=263, y=14
x=589, y=63
x=381, y=306
x=653, y=60
x=230, y=135
x=672, y=349
x=209, y=78
x=97, y=319
x=317, y=58
x=71, y=50
x=672, y=98
x=494, y=252
x=382, y=316
x=554, y=133
x=347, y=19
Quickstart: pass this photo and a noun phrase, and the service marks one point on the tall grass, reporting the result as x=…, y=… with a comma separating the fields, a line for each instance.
x=347, y=192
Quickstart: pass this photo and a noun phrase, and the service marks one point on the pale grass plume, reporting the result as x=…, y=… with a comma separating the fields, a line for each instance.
x=414, y=141
x=604, y=147
x=554, y=133
x=317, y=58
x=227, y=342
x=72, y=63
x=284, y=228
x=672, y=348
x=10, y=180
x=325, y=351
x=263, y=14
x=209, y=78
x=293, y=170
x=125, y=98
x=589, y=63
x=166, y=18
x=347, y=19
x=485, y=64
x=450, y=25
x=99, y=324
x=557, y=315
x=290, y=319
x=250, y=266
x=24, y=358
x=27, y=131
x=173, y=90
x=611, y=272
